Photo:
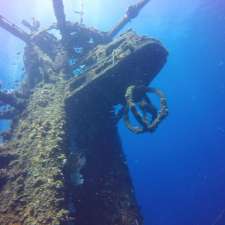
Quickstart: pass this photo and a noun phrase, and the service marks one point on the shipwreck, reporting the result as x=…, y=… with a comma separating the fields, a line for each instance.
x=62, y=161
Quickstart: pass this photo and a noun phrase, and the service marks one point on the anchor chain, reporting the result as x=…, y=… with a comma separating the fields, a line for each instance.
x=138, y=103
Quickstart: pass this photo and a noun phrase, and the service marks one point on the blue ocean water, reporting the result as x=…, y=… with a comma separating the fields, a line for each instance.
x=179, y=171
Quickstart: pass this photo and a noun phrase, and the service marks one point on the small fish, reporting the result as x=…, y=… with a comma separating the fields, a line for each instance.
x=91, y=41
x=78, y=50
x=221, y=130
x=72, y=62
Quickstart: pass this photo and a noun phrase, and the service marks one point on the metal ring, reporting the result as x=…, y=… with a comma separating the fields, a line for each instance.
x=146, y=107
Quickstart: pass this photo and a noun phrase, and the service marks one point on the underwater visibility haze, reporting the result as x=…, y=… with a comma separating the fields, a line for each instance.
x=178, y=171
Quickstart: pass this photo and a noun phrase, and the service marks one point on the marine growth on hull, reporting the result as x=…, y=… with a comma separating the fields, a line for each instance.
x=62, y=161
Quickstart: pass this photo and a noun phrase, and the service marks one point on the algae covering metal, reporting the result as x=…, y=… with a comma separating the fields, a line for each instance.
x=62, y=161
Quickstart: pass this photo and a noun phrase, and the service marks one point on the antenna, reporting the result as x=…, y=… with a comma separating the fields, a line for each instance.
x=81, y=12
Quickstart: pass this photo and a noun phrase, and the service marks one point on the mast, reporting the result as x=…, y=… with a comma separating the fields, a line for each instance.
x=60, y=16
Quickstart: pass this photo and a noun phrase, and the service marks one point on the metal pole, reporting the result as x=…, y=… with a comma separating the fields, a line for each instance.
x=132, y=13
x=14, y=29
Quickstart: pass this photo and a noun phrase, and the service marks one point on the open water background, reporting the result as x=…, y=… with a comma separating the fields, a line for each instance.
x=179, y=171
